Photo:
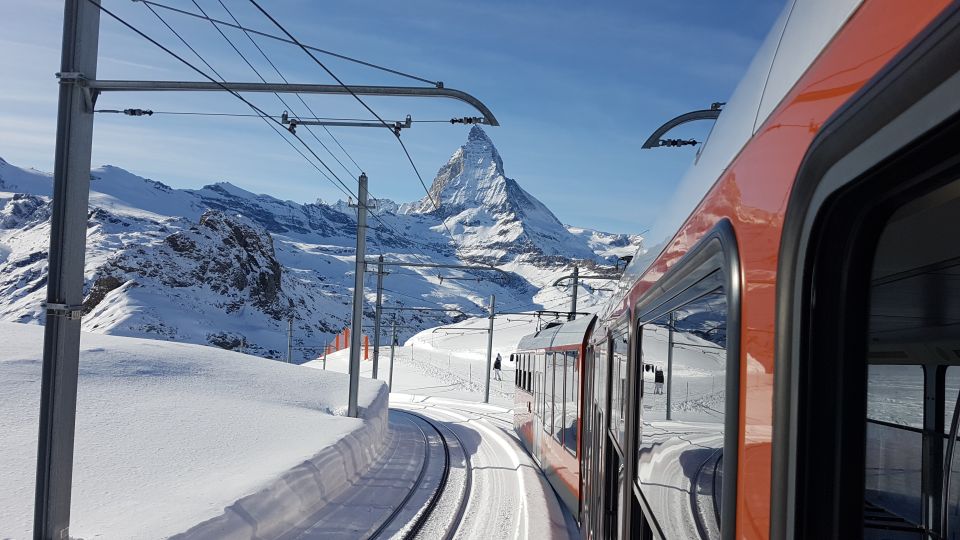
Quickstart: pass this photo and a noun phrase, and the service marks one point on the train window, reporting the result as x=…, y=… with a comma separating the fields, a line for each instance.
x=618, y=390
x=894, y=439
x=952, y=391
x=559, y=363
x=570, y=403
x=912, y=328
x=546, y=386
x=525, y=381
x=683, y=408
x=600, y=374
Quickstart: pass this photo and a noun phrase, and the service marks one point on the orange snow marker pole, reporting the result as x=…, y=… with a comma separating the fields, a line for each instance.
x=346, y=338
x=336, y=347
x=366, y=347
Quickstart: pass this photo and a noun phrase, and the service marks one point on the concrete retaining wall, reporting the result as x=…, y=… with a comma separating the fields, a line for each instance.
x=303, y=490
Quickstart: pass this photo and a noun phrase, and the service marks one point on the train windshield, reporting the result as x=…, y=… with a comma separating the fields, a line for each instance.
x=912, y=469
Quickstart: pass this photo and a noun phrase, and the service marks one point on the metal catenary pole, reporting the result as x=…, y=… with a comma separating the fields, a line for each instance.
x=393, y=344
x=68, y=229
x=290, y=341
x=376, y=318
x=573, y=301
x=486, y=391
x=356, y=332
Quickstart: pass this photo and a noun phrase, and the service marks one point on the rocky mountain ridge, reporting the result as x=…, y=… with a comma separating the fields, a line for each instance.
x=223, y=266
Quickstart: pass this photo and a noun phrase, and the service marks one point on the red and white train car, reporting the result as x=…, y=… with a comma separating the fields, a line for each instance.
x=804, y=308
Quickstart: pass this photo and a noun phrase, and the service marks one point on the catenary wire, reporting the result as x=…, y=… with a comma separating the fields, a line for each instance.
x=262, y=114
x=365, y=106
x=187, y=63
x=262, y=79
x=278, y=38
x=300, y=97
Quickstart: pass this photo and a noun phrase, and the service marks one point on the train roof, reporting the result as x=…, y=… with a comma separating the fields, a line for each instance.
x=570, y=333
x=797, y=37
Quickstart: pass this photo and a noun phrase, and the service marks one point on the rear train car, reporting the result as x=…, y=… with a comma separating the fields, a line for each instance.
x=548, y=396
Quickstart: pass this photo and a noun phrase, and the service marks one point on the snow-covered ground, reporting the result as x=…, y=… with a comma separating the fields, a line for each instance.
x=168, y=434
x=448, y=361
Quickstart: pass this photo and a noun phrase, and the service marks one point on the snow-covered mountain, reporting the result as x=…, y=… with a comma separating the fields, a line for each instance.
x=223, y=266
x=491, y=217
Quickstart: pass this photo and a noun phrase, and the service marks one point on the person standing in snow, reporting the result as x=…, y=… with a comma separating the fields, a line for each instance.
x=496, y=368
x=658, y=381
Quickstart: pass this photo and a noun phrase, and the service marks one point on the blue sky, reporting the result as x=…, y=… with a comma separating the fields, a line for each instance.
x=576, y=86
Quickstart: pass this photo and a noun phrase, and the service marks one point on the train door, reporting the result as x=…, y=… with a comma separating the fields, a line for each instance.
x=598, y=522
x=586, y=448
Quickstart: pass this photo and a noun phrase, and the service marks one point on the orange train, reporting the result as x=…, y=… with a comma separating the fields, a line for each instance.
x=786, y=364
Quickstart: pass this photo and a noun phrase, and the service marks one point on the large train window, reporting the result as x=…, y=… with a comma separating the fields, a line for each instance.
x=570, y=413
x=686, y=430
x=618, y=383
x=683, y=407
x=914, y=334
x=559, y=364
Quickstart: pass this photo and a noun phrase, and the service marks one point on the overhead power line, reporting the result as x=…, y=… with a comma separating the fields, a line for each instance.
x=187, y=63
x=300, y=97
x=438, y=84
x=365, y=106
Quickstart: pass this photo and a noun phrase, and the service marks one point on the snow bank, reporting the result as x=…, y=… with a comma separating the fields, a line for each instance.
x=170, y=435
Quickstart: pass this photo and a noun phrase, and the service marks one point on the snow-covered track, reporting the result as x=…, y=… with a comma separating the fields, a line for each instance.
x=440, y=514
x=438, y=520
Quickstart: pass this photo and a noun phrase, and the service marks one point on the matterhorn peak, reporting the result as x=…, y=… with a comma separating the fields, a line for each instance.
x=472, y=172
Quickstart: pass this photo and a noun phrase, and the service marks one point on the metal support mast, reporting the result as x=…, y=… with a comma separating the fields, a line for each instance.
x=486, y=391
x=376, y=318
x=68, y=243
x=356, y=332
x=290, y=341
x=393, y=344
x=573, y=301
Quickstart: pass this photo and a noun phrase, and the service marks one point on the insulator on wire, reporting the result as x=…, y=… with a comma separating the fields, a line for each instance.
x=678, y=142
x=467, y=120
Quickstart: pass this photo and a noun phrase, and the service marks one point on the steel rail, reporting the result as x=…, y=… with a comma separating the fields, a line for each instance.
x=435, y=499
x=416, y=485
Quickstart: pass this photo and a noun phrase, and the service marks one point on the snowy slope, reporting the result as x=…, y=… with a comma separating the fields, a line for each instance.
x=168, y=433
x=223, y=266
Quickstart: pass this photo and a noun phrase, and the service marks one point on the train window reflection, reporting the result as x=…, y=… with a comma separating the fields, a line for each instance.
x=684, y=356
x=655, y=347
x=699, y=356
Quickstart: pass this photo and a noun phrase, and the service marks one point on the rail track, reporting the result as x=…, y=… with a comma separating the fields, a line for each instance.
x=415, y=516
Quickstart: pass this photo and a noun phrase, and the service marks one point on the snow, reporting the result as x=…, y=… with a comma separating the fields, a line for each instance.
x=448, y=361
x=170, y=433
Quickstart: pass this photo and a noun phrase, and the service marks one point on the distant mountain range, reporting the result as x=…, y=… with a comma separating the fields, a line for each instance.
x=222, y=266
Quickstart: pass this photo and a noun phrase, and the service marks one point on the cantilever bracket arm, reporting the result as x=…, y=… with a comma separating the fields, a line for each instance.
x=707, y=114
x=201, y=86
x=571, y=276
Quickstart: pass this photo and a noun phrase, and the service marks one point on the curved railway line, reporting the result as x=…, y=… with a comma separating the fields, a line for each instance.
x=426, y=517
